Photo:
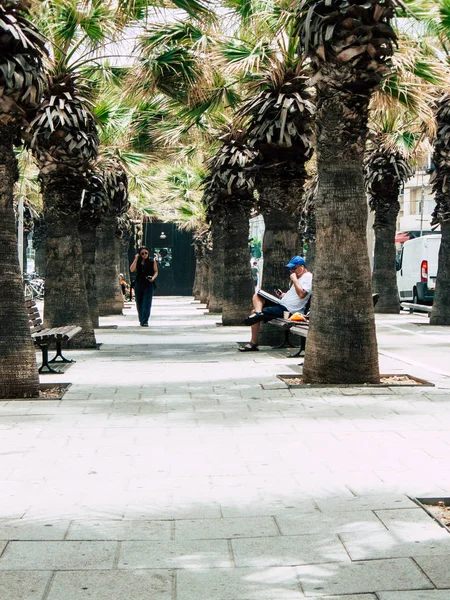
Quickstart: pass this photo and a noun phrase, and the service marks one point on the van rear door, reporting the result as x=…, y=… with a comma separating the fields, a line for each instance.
x=433, y=244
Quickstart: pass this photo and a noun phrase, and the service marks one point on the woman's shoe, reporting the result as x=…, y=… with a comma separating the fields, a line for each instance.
x=144, y=324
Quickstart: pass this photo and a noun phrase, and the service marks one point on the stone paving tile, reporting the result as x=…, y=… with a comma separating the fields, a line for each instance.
x=239, y=584
x=362, y=577
x=226, y=528
x=23, y=585
x=351, y=597
x=437, y=569
x=58, y=555
x=416, y=595
x=320, y=523
x=409, y=523
x=119, y=530
x=27, y=529
x=368, y=502
x=389, y=545
x=111, y=585
x=193, y=554
x=287, y=551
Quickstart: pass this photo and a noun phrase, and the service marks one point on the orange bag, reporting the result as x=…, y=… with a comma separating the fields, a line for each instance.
x=298, y=317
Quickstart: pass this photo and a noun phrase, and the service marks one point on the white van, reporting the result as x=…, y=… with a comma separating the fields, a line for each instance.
x=417, y=268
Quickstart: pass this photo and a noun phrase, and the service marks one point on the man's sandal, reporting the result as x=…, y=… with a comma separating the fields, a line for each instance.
x=250, y=347
x=252, y=319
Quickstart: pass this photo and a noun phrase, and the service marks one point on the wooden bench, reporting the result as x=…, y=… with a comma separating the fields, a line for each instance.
x=416, y=307
x=298, y=327
x=44, y=336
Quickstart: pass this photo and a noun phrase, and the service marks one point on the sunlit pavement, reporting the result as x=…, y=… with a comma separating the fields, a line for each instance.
x=176, y=468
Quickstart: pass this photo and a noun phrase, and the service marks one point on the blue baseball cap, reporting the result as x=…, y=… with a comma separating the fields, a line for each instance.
x=296, y=261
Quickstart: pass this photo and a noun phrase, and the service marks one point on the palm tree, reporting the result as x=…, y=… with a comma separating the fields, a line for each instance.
x=440, y=313
x=64, y=140
x=22, y=51
x=109, y=295
x=401, y=124
x=349, y=44
x=386, y=171
x=229, y=192
x=307, y=225
x=202, y=250
x=93, y=205
x=281, y=130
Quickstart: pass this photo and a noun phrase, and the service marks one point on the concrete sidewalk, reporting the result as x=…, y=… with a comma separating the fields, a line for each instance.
x=176, y=468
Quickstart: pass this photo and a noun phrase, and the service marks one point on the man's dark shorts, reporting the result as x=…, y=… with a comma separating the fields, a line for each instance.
x=275, y=311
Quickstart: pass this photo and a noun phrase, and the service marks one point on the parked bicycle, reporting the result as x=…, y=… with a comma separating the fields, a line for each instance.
x=33, y=286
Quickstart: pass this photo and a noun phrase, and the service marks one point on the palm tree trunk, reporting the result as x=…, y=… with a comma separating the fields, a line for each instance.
x=215, y=300
x=280, y=243
x=19, y=377
x=310, y=255
x=280, y=201
x=110, y=298
x=384, y=269
x=199, y=273
x=238, y=282
x=65, y=297
x=440, y=313
x=88, y=239
x=341, y=345
x=206, y=278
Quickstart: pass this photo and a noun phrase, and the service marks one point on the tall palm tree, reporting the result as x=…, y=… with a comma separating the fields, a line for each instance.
x=307, y=225
x=110, y=298
x=440, y=313
x=349, y=44
x=435, y=16
x=281, y=130
x=229, y=191
x=401, y=123
x=64, y=140
x=94, y=204
x=22, y=51
x=387, y=169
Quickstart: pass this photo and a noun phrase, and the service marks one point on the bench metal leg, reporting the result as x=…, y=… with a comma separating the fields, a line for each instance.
x=300, y=350
x=59, y=354
x=286, y=342
x=45, y=367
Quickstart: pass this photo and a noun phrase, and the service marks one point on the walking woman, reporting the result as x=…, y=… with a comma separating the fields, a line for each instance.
x=146, y=273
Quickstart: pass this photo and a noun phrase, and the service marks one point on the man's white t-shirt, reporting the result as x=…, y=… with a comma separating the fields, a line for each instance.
x=292, y=301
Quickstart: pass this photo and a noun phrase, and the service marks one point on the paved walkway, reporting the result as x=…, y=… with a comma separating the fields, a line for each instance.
x=176, y=468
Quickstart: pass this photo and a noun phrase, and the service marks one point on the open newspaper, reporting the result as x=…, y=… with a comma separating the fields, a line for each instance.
x=268, y=296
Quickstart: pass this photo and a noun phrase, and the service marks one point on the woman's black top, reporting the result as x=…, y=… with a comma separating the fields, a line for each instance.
x=145, y=270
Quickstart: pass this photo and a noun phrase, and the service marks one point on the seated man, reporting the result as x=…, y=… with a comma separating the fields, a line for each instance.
x=294, y=300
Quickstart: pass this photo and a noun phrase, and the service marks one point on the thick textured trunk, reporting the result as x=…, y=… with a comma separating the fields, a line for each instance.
x=281, y=242
x=341, y=345
x=124, y=265
x=199, y=273
x=65, y=297
x=440, y=313
x=206, y=278
x=238, y=282
x=88, y=239
x=280, y=202
x=110, y=298
x=215, y=300
x=384, y=270
x=39, y=260
x=19, y=377
x=310, y=255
